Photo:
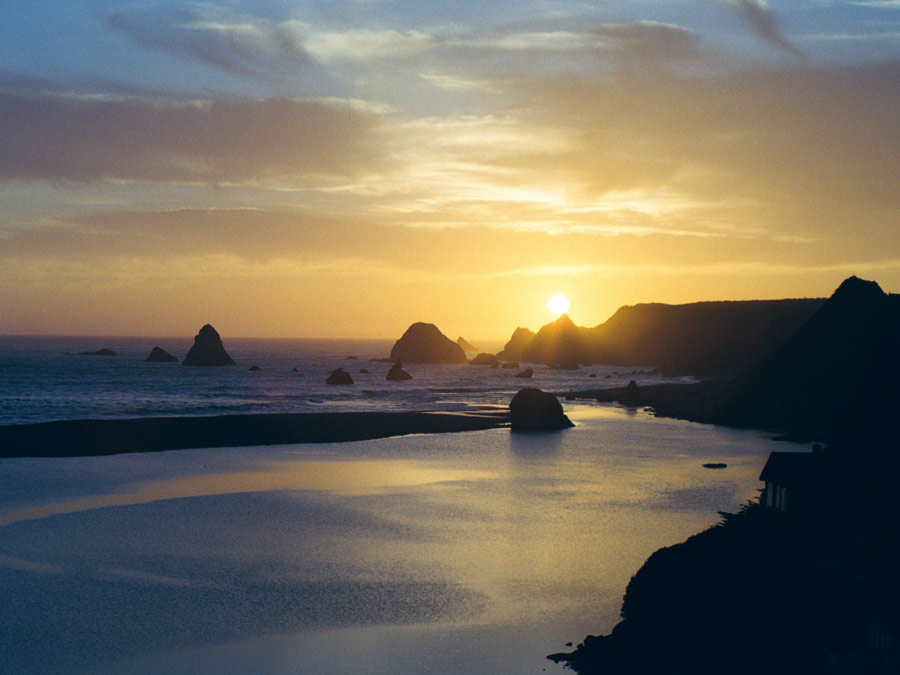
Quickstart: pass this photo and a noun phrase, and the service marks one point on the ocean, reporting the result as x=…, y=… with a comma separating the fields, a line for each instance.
x=477, y=552
x=45, y=378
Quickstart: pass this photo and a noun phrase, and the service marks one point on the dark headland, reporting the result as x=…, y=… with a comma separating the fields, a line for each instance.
x=805, y=579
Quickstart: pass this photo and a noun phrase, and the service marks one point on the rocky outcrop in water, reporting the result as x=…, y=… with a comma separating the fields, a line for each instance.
x=525, y=374
x=99, y=352
x=339, y=376
x=536, y=410
x=424, y=343
x=160, y=355
x=397, y=373
x=208, y=350
x=484, y=359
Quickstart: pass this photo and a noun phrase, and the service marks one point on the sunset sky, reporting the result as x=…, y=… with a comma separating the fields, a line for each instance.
x=344, y=168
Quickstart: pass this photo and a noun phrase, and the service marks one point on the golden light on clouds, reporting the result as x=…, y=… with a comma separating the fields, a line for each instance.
x=378, y=159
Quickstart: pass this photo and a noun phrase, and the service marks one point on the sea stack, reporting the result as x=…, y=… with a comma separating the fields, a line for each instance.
x=160, y=355
x=485, y=359
x=339, y=376
x=397, y=373
x=424, y=343
x=466, y=345
x=536, y=410
x=208, y=350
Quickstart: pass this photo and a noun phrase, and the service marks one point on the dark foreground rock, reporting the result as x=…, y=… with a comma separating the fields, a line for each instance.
x=160, y=355
x=424, y=343
x=208, y=350
x=397, y=373
x=339, y=376
x=535, y=410
x=758, y=593
x=74, y=438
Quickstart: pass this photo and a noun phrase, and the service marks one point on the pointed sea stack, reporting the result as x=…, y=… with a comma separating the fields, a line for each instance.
x=208, y=350
x=424, y=343
x=466, y=345
x=160, y=355
x=536, y=410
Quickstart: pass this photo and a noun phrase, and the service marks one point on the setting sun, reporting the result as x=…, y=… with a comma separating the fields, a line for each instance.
x=558, y=304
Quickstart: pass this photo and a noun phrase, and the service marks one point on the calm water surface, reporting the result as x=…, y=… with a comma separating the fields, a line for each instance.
x=479, y=552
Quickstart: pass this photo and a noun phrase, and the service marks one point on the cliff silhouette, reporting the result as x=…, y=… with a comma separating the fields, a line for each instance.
x=703, y=338
x=807, y=584
x=837, y=360
x=834, y=378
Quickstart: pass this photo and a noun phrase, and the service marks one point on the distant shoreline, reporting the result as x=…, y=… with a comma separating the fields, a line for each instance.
x=93, y=437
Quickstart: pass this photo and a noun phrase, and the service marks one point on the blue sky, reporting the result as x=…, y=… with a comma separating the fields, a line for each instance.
x=309, y=168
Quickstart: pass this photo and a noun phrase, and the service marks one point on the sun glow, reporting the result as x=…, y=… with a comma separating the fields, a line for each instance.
x=558, y=304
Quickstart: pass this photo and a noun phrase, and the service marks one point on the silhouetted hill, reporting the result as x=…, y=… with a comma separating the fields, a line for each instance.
x=840, y=362
x=835, y=379
x=518, y=343
x=757, y=594
x=560, y=343
x=703, y=338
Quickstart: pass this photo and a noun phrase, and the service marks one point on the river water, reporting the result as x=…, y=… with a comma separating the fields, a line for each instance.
x=478, y=552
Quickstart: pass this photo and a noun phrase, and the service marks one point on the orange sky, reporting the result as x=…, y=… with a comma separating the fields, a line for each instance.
x=276, y=171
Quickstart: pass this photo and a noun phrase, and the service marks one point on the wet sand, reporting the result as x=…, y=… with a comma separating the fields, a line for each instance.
x=76, y=438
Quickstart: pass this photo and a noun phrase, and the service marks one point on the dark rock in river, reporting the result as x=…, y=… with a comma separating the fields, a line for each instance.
x=525, y=374
x=484, y=359
x=255, y=369
x=631, y=395
x=99, y=352
x=339, y=376
x=424, y=343
x=207, y=350
x=397, y=373
x=160, y=355
x=536, y=410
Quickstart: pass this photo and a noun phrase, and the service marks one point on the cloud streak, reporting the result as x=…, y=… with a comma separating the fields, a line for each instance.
x=761, y=19
x=59, y=137
x=241, y=45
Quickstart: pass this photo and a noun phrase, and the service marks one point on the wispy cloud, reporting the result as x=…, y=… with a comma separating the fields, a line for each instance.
x=60, y=137
x=243, y=45
x=763, y=22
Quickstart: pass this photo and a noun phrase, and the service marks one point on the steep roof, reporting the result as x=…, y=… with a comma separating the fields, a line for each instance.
x=788, y=468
